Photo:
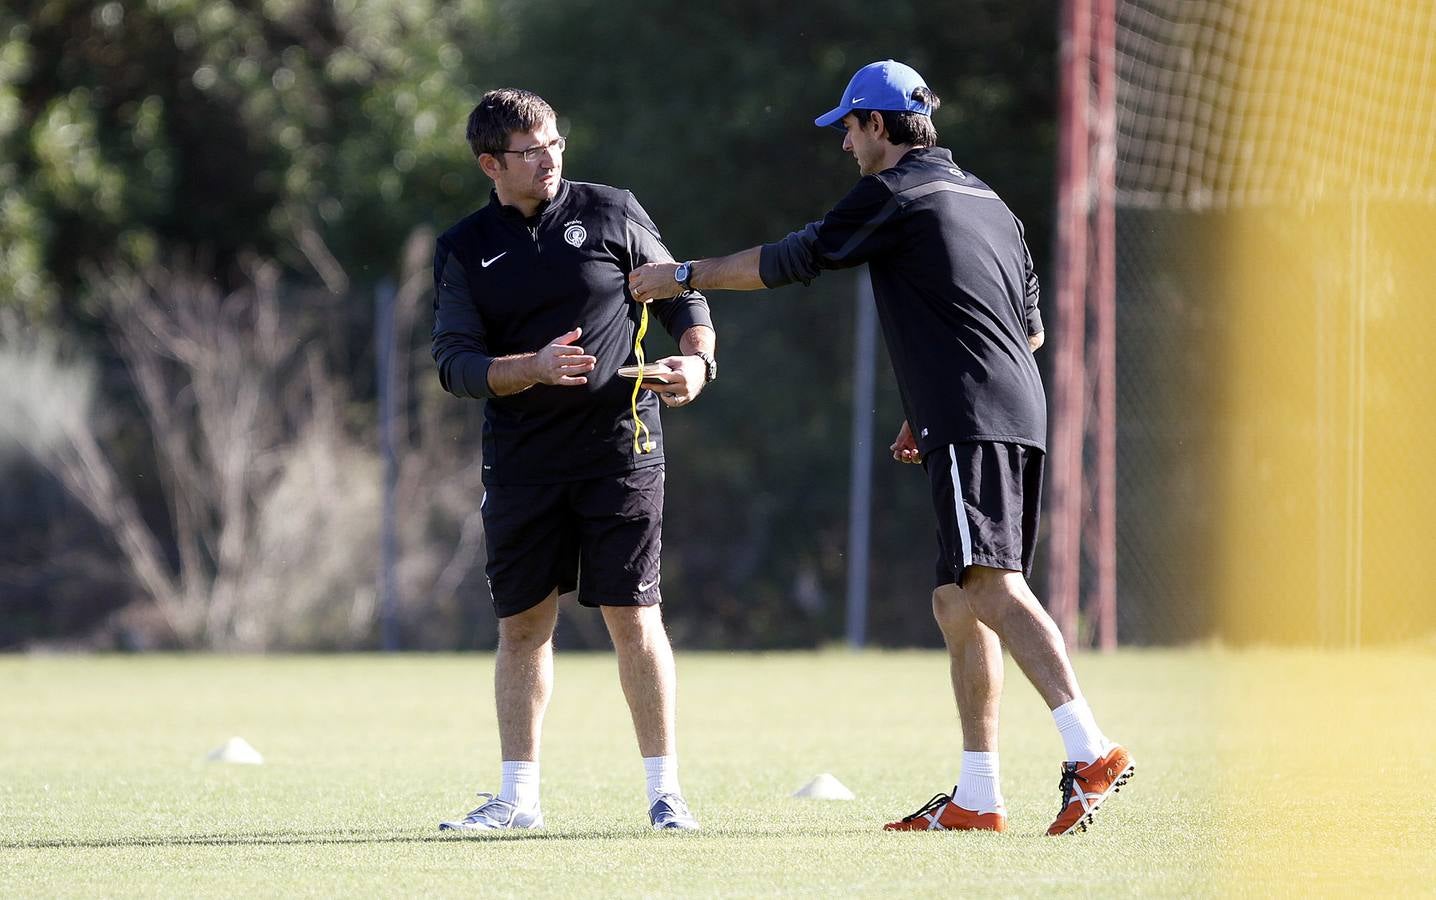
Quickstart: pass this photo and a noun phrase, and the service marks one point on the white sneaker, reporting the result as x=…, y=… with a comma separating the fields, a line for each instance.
x=670, y=813
x=496, y=815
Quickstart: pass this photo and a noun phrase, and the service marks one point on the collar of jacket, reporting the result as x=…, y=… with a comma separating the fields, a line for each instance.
x=939, y=154
x=545, y=210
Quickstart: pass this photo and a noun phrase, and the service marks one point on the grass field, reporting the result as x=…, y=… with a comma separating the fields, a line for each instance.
x=1260, y=772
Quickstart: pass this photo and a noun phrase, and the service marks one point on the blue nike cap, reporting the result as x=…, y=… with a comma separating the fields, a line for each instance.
x=881, y=85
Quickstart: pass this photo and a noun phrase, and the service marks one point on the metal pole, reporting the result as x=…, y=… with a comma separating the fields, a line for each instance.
x=861, y=470
x=388, y=536
x=1104, y=302
x=1069, y=366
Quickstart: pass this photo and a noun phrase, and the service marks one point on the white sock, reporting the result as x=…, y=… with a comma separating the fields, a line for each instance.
x=520, y=785
x=662, y=774
x=977, y=787
x=1080, y=735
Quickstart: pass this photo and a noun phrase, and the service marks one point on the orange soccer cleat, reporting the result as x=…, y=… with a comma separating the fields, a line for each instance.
x=1085, y=786
x=941, y=814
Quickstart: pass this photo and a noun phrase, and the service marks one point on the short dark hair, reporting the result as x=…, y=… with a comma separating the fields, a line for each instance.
x=909, y=127
x=500, y=113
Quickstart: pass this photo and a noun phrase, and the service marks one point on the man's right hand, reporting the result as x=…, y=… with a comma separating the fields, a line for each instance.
x=562, y=362
x=654, y=281
x=904, y=448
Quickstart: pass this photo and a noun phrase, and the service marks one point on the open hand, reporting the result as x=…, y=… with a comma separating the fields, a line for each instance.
x=563, y=362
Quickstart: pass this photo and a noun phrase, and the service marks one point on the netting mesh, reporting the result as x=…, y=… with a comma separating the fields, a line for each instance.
x=1224, y=103
x=1276, y=202
x=1166, y=509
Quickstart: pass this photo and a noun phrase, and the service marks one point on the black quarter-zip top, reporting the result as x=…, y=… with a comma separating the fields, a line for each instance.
x=506, y=285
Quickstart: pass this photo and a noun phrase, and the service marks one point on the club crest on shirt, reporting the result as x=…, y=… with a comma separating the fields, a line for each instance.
x=575, y=234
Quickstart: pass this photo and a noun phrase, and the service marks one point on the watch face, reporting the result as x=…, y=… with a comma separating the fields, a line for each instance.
x=680, y=274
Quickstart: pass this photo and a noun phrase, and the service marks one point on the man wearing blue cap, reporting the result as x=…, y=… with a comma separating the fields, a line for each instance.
x=957, y=297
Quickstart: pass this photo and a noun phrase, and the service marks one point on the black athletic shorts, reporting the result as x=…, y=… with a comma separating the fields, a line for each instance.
x=602, y=536
x=995, y=521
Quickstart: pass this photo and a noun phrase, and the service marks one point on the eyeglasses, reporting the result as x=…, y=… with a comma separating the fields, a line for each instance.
x=532, y=153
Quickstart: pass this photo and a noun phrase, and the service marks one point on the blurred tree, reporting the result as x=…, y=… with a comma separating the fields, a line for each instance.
x=270, y=503
x=317, y=133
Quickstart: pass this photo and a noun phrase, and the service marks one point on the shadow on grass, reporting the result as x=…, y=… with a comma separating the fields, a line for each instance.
x=299, y=838
x=286, y=838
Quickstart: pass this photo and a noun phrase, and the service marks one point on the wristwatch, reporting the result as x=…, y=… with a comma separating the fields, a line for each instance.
x=684, y=276
x=710, y=366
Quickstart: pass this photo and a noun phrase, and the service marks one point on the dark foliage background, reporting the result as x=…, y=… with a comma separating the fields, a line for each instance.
x=323, y=136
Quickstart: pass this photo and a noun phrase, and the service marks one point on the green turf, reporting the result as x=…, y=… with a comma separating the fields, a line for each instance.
x=104, y=791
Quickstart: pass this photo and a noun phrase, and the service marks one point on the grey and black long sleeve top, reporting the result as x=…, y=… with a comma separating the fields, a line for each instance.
x=955, y=291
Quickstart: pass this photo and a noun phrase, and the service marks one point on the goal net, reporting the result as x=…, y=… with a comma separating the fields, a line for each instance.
x=1275, y=291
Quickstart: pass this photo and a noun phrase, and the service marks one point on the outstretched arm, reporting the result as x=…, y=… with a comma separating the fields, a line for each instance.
x=848, y=235
x=735, y=272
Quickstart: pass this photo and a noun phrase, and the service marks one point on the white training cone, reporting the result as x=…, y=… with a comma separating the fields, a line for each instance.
x=824, y=787
x=236, y=750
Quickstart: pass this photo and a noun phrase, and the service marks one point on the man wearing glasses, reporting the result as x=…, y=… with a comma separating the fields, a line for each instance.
x=957, y=297
x=531, y=315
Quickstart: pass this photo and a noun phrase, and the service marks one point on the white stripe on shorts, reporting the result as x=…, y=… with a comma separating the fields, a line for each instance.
x=960, y=511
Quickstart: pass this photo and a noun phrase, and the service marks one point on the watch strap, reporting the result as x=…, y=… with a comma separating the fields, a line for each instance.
x=710, y=366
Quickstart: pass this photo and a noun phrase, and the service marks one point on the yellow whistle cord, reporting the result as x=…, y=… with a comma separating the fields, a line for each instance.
x=647, y=446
